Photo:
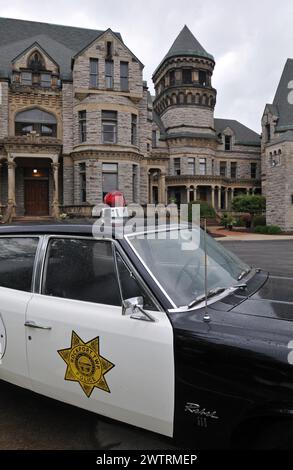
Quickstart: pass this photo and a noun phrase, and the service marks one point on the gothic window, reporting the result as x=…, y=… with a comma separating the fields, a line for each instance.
x=36, y=62
x=45, y=124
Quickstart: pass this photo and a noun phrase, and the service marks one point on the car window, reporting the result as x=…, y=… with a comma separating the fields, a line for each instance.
x=17, y=257
x=81, y=269
x=131, y=287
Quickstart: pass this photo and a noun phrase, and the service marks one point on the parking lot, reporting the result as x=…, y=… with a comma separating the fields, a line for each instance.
x=29, y=421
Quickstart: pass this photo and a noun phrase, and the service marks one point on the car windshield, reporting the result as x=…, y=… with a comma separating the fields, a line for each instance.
x=176, y=258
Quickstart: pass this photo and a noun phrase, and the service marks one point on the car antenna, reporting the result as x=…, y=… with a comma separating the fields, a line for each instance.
x=206, y=317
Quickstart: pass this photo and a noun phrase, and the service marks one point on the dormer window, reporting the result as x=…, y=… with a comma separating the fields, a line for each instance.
x=35, y=73
x=228, y=143
x=36, y=62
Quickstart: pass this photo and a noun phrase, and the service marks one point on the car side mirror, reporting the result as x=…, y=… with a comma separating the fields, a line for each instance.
x=134, y=308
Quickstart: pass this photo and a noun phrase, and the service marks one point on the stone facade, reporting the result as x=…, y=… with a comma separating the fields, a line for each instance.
x=91, y=111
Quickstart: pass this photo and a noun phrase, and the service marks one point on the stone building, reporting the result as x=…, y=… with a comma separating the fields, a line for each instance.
x=77, y=120
x=277, y=152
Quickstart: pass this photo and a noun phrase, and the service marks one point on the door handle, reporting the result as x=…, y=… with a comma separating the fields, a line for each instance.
x=32, y=324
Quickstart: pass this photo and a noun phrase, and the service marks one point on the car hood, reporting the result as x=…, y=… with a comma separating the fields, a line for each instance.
x=274, y=299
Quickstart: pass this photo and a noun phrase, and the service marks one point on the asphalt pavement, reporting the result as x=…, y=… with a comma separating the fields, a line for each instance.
x=29, y=421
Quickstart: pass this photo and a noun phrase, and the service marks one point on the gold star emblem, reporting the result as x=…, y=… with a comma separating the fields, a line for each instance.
x=85, y=365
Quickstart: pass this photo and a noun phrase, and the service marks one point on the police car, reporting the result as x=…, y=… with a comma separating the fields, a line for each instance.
x=162, y=329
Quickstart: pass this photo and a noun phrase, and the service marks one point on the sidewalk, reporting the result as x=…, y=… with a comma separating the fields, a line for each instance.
x=228, y=235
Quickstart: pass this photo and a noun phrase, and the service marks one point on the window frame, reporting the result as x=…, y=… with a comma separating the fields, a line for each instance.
x=109, y=77
x=82, y=126
x=94, y=75
x=253, y=170
x=41, y=257
x=112, y=122
x=124, y=79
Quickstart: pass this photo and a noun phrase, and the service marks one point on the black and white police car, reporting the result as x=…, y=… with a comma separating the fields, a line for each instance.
x=131, y=329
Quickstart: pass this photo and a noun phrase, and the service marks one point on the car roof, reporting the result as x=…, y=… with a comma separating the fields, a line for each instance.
x=85, y=229
x=39, y=229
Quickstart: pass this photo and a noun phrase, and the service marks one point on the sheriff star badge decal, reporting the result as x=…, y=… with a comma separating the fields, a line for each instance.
x=85, y=365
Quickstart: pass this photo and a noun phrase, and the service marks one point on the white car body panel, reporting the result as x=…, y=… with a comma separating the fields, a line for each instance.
x=13, y=305
x=142, y=381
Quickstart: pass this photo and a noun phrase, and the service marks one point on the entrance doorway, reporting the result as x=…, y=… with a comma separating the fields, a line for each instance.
x=36, y=197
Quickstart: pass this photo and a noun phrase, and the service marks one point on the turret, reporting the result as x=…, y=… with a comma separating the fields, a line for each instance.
x=185, y=99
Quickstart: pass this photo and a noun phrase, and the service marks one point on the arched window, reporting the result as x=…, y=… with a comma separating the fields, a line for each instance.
x=36, y=62
x=45, y=124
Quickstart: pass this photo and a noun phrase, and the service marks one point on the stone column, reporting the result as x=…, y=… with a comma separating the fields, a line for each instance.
x=213, y=196
x=195, y=193
x=226, y=199
x=162, y=189
x=55, y=204
x=232, y=197
x=188, y=195
x=11, y=187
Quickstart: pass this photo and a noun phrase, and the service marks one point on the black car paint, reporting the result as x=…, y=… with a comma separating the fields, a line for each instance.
x=234, y=367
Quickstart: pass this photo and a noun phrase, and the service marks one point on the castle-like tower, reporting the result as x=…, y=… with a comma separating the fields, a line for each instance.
x=185, y=99
x=195, y=156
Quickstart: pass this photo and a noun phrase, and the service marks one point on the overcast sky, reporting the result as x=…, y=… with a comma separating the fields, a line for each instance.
x=249, y=39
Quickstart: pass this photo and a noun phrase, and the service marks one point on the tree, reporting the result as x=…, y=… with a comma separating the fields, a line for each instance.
x=251, y=204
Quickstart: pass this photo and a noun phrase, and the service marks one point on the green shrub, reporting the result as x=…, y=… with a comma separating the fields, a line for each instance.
x=259, y=220
x=253, y=204
x=206, y=211
x=240, y=222
x=268, y=229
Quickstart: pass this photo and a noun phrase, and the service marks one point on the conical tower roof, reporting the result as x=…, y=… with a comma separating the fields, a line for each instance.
x=186, y=45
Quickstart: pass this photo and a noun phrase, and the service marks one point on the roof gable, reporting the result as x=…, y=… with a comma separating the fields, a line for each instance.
x=60, y=42
x=100, y=36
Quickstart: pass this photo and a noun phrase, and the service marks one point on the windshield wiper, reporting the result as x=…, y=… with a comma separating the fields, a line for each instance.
x=243, y=274
x=211, y=293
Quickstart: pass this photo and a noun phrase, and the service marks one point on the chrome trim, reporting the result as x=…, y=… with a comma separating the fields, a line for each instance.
x=138, y=277
x=32, y=324
x=114, y=243
x=45, y=245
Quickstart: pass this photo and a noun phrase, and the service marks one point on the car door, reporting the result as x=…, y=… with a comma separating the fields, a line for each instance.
x=81, y=348
x=17, y=260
